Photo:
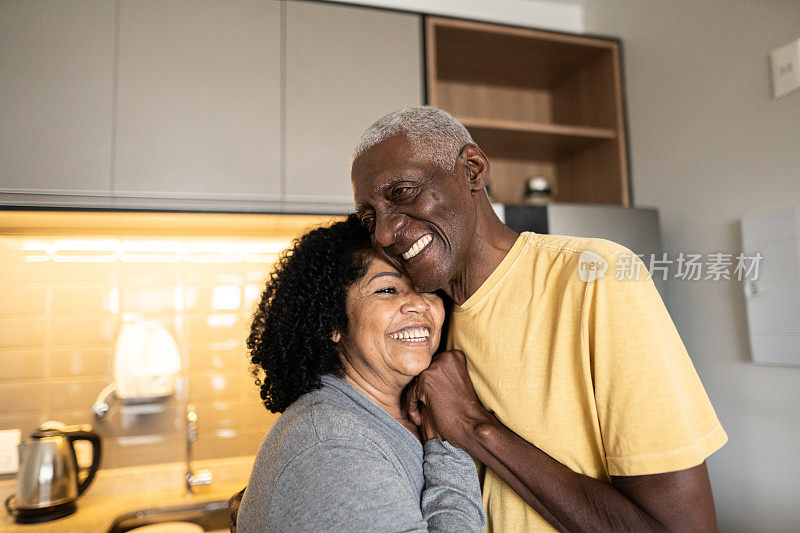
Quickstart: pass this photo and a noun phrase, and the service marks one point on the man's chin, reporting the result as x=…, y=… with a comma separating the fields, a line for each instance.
x=391, y=259
x=425, y=278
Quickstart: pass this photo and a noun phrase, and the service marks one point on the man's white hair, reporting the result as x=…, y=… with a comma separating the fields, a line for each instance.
x=429, y=130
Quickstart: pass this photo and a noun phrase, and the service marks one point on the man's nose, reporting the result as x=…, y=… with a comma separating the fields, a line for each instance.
x=386, y=229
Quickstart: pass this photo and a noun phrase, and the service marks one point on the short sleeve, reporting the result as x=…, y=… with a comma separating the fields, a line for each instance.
x=653, y=411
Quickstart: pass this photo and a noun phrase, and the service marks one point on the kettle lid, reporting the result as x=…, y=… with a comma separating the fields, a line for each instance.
x=42, y=433
x=51, y=428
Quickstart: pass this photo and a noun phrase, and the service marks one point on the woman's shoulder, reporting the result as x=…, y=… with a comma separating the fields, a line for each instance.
x=316, y=425
x=327, y=440
x=317, y=419
x=332, y=418
x=315, y=450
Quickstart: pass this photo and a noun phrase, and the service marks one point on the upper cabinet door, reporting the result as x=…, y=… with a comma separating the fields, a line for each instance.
x=56, y=96
x=345, y=68
x=199, y=100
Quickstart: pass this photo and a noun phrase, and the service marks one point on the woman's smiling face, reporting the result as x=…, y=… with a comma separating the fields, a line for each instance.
x=393, y=330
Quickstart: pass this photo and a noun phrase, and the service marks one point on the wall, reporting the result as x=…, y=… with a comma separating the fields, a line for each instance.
x=710, y=146
x=69, y=278
x=566, y=15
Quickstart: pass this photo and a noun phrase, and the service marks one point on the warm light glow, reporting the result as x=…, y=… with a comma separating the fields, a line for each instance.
x=226, y=298
x=222, y=320
x=194, y=250
x=150, y=251
x=113, y=300
x=178, y=297
x=218, y=382
x=72, y=279
x=84, y=250
x=251, y=295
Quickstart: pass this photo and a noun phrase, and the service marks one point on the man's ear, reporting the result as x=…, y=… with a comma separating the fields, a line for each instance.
x=475, y=165
x=336, y=336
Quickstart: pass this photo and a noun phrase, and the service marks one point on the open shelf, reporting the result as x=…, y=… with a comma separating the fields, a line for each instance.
x=535, y=140
x=544, y=128
x=538, y=103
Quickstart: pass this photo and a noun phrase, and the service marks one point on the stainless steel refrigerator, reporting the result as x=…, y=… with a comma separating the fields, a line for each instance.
x=634, y=228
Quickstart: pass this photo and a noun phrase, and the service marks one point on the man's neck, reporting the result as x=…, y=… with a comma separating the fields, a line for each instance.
x=490, y=245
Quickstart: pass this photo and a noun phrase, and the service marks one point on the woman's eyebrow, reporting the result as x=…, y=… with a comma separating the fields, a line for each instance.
x=386, y=273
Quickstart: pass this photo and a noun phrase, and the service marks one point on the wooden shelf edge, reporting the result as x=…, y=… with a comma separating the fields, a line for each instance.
x=587, y=132
x=529, y=33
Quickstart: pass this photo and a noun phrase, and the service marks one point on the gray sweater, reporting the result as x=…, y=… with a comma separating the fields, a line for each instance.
x=335, y=461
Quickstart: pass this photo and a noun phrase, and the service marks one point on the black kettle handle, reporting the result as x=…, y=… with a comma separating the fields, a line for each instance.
x=97, y=447
x=12, y=509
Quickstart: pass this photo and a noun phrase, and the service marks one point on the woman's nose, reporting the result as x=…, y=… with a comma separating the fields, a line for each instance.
x=386, y=228
x=415, y=303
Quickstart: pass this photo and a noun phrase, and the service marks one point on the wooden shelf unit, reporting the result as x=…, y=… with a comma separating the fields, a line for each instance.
x=538, y=103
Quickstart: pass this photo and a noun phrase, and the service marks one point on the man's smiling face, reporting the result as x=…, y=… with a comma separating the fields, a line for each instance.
x=419, y=214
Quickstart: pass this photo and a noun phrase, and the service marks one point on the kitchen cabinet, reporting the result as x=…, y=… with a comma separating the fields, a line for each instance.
x=56, y=98
x=553, y=108
x=199, y=102
x=345, y=67
x=252, y=105
x=239, y=105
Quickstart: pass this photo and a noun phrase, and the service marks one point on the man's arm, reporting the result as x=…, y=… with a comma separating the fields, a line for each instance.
x=569, y=501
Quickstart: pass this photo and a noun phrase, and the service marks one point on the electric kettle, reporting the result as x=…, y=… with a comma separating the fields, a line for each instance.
x=49, y=479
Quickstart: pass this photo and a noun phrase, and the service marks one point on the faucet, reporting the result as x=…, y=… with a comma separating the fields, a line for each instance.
x=102, y=404
x=202, y=477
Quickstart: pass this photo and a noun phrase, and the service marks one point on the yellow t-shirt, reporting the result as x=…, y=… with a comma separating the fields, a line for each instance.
x=587, y=367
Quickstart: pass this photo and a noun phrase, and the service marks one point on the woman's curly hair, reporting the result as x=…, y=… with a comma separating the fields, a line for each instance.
x=303, y=304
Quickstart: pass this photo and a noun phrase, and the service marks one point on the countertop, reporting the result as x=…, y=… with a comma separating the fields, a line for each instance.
x=121, y=490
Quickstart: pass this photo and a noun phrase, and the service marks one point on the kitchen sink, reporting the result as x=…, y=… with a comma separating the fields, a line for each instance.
x=211, y=516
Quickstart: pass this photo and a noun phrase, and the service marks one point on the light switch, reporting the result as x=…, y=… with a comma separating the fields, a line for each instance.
x=9, y=454
x=785, y=65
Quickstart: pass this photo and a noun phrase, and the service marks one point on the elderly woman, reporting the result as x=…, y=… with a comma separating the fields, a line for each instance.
x=338, y=335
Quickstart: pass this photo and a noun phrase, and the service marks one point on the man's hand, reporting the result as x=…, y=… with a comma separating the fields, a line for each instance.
x=421, y=416
x=427, y=424
x=443, y=394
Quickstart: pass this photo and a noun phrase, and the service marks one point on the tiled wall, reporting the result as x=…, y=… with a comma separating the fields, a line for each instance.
x=63, y=294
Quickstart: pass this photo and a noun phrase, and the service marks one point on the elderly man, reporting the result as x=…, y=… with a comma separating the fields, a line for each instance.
x=577, y=396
